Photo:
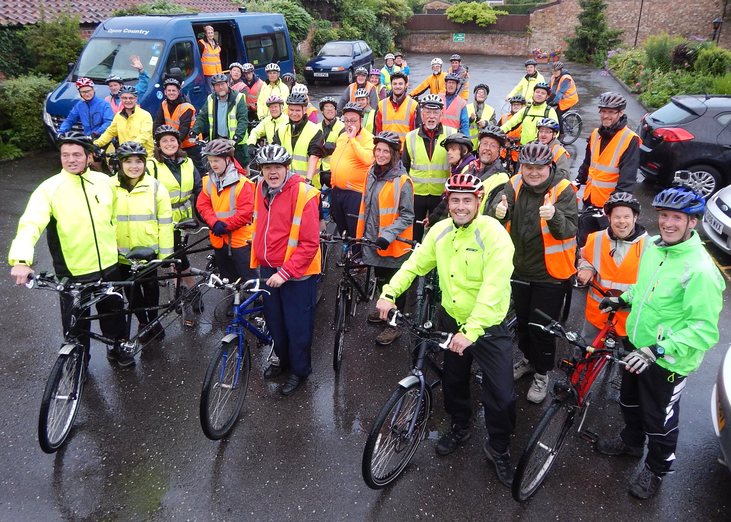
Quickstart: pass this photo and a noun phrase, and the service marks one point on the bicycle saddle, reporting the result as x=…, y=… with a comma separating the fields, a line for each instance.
x=187, y=224
x=141, y=254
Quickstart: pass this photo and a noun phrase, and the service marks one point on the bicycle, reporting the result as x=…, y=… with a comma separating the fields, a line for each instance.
x=227, y=378
x=571, y=123
x=572, y=398
x=427, y=298
x=512, y=151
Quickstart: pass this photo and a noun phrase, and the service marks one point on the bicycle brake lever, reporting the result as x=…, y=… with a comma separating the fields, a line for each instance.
x=445, y=344
x=111, y=291
x=392, y=321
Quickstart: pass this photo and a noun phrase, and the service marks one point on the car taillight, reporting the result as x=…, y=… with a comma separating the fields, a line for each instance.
x=672, y=134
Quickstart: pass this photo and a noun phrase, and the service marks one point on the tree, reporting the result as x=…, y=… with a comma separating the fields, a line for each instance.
x=156, y=7
x=593, y=37
x=52, y=45
x=481, y=14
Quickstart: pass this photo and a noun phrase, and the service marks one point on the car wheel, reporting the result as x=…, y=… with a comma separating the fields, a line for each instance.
x=705, y=179
x=351, y=76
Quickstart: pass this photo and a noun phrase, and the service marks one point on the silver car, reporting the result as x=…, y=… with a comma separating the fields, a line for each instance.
x=717, y=219
x=721, y=407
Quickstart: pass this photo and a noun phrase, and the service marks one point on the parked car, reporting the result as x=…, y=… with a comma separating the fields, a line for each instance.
x=721, y=408
x=717, y=219
x=337, y=61
x=689, y=133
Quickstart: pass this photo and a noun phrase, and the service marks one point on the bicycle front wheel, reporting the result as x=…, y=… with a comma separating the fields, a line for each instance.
x=224, y=390
x=542, y=449
x=341, y=319
x=61, y=399
x=571, y=128
x=391, y=444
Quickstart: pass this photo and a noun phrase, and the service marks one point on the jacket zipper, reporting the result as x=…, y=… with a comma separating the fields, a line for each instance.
x=649, y=291
x=93, y=228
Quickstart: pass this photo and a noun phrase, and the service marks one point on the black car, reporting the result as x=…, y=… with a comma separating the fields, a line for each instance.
x=689, y=133
x=337, y=61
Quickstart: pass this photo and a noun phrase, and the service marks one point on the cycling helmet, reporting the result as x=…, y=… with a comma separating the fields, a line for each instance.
x=437, y=61
x=172, y=81
x=272, y=67
x=238, y=65
x=300, y=88
x=622, y=199
x=328, y=99
x=248, y=67
x=84, y=82
x=375, y=72
x=129, y=149
x=432, y=101
x=557, y=66
x=219, y=78
x=389, y=56
x=113, y=78
x=353, y=107
x=612, y=100
x=274, y=98
x=128, y=89
x=389, y=138
x=481, y=86
x=518, y=98
x=166, y=130
x=399, y=74
x=75, y=138
x=459, y=139
x=530, y=61
x=218, y=147
x=361, y=71
x=542, y=85
x=455, y=57
x=494, y=132
x=465, y=184
x=288, y=77
x=297, y=98
x=452, y=77
x=681, y=199
x=397, y=54
x=361, y=93
x=535, y=153
x=548, y=122
x=273, y=155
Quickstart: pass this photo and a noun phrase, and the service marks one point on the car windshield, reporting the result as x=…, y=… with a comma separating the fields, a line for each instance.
x=671, y=114
x=103, y=57
x=336, y=49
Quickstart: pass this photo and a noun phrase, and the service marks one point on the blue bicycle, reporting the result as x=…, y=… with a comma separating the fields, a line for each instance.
x=227, y=378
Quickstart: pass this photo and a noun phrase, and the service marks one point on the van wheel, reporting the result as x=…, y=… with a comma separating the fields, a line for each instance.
x=351, y=76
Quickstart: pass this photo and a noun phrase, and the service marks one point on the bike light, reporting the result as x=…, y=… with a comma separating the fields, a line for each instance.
x=672, y=134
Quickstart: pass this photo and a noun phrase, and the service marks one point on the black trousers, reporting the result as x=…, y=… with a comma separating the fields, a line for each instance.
x=651, y=406
x=537, y=346
x=384, y=275
x=344, y=208
x=235, y=264
x=423, y=206
x=145, y=294
x=494, y=354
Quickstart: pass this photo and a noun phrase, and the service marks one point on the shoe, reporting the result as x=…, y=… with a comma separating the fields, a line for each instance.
x=292, y=384
x=374, y=317
x=539, y=389
x=503, y=467
x=272, y=371
x=645, y=485
x=126, y=355
x=388, y=336
x=615, y=446
x=112, y=352
x=451, y=440
x=521, y=368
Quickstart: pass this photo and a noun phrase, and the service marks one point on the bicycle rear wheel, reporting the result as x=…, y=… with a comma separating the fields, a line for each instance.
x=572, y=124
x=224, y=390
x=542, y=449
x=390, y=446
x=342, y=306
x=322, y=278
x=61, y=399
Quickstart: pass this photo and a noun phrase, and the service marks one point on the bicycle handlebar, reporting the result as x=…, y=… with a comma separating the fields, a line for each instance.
x=442, y=339
x=252, y=286
x=332, y=238
x=51, y=282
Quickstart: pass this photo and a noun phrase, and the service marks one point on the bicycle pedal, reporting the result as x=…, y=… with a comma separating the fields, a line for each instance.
x=589, y=436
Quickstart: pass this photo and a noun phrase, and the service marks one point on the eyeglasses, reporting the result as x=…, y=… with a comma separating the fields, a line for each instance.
x=351, y=122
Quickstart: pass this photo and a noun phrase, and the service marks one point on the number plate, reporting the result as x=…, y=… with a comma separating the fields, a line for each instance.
x=714, y=223
x=321, y=75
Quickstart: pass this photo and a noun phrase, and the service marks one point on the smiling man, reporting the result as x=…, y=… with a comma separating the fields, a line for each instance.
x=132, y=123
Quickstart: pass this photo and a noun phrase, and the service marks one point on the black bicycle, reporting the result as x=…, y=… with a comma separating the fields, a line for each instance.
x=571, y=125
x=428, y=297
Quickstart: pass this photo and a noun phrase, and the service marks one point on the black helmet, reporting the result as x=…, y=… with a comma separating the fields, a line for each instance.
x=453, y=77
x=481, y=86
x=76, y=138
x=399, y=74
x=518, y=98
x=353, y=107
x=328, y=99
x=172, y=81
x=530, y=61
x=219, y=78
x=273, y=155
x=113, y=78
x=297, y=99
x=557, y=66
x=494, y=132
x=459, y=139
x=612, y=100
x=131, y=148
x=389, y=138
x=535, y=153
x=456, y=57
x=622, y=199
x=166, y=130
x=218, y=147
x=542, y=85
x=128, y=89
x=681, y=199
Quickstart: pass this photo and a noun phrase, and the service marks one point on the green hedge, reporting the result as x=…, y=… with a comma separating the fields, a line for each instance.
x=21, y=106
x=14, y=58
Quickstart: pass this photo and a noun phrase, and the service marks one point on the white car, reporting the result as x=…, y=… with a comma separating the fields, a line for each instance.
x=721, y=407
x=717, y=219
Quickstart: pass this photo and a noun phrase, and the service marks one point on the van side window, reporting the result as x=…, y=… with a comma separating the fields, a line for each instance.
x=181, y=56
x=266, y=48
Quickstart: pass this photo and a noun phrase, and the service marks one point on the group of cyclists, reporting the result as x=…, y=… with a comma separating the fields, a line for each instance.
x=396, y=168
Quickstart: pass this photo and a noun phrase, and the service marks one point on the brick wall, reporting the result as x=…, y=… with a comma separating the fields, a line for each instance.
x=499, y=44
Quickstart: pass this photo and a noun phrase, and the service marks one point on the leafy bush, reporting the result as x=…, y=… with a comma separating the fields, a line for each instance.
x=14, y=59
x=157, y=7
x=21, y=103
x=661, y=86
x=479, y=13
x=659, y=51
x=297, y=18
x=721, y=84
x=381, y=38
x=521, y=6
x=627, y=65
x=324, y=32
x=713, y=61
x=54, y=44
x=592, y=37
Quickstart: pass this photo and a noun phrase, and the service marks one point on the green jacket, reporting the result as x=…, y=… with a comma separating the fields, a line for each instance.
x=676, y=303
x=205, y=123
x=474, y=264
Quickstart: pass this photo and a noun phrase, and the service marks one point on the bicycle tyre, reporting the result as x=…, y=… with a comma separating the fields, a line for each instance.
x=61, y=400
x=543, y=447
x=386, y=440
x=341, y=319
x=226, y=375
x=572, y=124
x=322, y=278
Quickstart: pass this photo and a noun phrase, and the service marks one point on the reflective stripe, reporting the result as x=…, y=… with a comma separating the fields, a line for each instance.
x=444, y=233
x=293, y=242
x=604, y=184
x=137, y=217
x=566, y=245
x=297, y=220
x=452, y=112
x=125, y=251
x=231, y=120
x=210, y=59
x=182, y=205
x=479, y=239
x=165, y=221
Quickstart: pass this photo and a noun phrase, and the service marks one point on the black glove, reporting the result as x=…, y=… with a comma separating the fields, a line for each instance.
x=328, y=147
x=611, y=304
x=192, y=134
x=325, y=177
x=251, y=150
x=219, y=228
x=382, y=243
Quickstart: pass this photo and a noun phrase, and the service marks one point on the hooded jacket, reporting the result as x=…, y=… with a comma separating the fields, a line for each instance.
x=94, y=115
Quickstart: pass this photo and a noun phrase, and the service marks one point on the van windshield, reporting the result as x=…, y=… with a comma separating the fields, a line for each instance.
x=103, y=57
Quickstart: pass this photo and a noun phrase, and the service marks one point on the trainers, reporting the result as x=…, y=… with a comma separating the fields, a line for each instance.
x=112, y=352
x=539, y=389
x=645, y=485
x=521, y=368
x=451, y=440
x=272, y=371
x=292, y=385
x=615, y=446
x=503, y=467
x=126, y=355
x=374, y=317
x=388, y=336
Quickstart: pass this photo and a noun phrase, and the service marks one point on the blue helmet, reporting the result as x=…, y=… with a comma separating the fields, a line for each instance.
x=681, y=199
x=549, y=123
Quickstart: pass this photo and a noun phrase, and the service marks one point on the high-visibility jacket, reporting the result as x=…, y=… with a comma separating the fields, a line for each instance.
x=144, y=217
x=397, y=120
x=604, y=166
x=351, y=161
x=487, y=115
x=266, y=129
x=428, y=176
x=528, y=118
x=115, y=104
x=388, y=208
x=570, y=96
x=135, y=127
x=224, y=204
x=300, y=157
x=174, y=119
x=369, y=121
x=354, y=87
x=232, y=122
x=451, y=115
x=252, y=93
x=525, y=87
x=598, y=252
x=265, y=92
x=512, y=135
x=180, y=193
x=210, y=58
x=434, y=83
x=557, y=150
x=331, y=137
x=386, y=76
x=559, y=254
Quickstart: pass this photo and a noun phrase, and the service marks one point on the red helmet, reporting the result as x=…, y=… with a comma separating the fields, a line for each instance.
x=465, y=184
x=84, y=82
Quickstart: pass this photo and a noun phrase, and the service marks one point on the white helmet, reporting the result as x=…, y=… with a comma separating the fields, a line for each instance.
x=272, y=67
x=437, y=61
x=300, y=88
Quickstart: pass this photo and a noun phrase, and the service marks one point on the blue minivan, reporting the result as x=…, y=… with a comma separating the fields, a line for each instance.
x=168, y=45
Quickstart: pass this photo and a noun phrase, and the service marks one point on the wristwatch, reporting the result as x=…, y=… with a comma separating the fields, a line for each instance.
x=659, y=351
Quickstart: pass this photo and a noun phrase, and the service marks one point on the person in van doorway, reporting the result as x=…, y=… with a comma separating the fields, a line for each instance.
x=132, y=123
x=274, y=85
x=94, y=114
x=210, y=53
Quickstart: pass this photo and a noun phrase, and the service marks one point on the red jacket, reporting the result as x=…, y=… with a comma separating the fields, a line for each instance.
x=272, y=226
x=244, y=206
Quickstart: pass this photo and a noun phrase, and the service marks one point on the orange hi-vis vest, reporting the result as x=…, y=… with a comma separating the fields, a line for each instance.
x=598, y=252
x=452, y=112
x=252, y=93
x=559, y=254
x=388, y=204
x=397, y=120
x=304, y=195
x=174, y=120
x=571, y=97
x=210, y=59
x=558, y=151
x=116, y=107
x=224, y=205
x=604, y=166
x=354, y=87
x=512, y=135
